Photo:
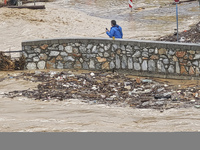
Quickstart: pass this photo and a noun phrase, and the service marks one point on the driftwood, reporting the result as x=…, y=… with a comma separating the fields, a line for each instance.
x=32, y=1
x=107, y=88
x=29, y=7
x=190, y=36
x=7, y=63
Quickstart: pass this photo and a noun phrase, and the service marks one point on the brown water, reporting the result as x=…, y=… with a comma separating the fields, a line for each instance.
x=23, y=115
x=72, y=115
x=81, y=18
x=112, y=9
x=115, y=4
x=118, y=9
x=89, y=18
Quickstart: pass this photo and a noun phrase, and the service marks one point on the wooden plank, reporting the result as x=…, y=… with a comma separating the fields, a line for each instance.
x=29, y=7
x=32, y=1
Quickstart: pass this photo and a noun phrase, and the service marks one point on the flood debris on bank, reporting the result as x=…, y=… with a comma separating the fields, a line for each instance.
x=8, y=64
x=187, y=36
x=107, y=88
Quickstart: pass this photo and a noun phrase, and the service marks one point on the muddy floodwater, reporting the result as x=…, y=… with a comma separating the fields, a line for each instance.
x=21, y=114
x=89, y=18
x=149, y=20
x=117, y=9
x=154, y=15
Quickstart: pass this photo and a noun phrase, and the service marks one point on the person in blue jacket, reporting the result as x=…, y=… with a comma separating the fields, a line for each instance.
x=115, y=30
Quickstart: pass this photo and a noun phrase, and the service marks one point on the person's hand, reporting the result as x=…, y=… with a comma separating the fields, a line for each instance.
x=107, y=30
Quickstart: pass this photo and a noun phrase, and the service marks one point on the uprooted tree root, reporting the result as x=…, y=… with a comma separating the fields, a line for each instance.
x=8, y=64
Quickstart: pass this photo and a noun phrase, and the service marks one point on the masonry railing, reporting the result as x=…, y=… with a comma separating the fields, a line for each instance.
x=146, y=58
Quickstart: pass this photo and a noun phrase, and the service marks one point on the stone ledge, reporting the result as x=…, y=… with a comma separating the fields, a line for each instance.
x=183, y=46
x=143, y=58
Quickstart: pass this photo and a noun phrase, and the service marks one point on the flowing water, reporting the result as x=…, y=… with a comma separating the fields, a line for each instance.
x=118, y=9
x=88, y=18
x=21, y=114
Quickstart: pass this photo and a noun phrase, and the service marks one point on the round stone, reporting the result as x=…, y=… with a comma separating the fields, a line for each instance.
x=41, y=65
x=31, y=66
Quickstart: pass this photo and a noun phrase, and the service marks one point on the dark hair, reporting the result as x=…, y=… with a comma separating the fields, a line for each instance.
x=113, y=22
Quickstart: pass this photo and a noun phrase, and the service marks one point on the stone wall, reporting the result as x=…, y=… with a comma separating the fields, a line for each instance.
x=148, y=58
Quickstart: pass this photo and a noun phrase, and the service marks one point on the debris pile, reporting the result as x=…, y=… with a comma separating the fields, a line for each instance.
x=107, y=88
x=6, y=63
x=187, y=36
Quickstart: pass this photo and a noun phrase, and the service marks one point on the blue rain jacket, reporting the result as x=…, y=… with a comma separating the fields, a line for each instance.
x=115, y=31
